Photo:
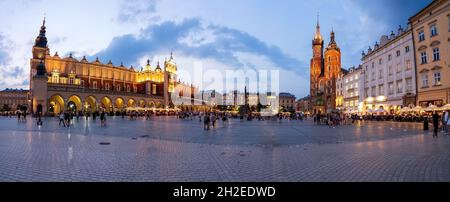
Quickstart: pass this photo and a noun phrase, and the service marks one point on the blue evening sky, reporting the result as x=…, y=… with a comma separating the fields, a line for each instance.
x=221, y=34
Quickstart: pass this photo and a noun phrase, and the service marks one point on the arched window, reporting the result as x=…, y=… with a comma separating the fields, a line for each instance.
x=106, y=86
x=94, y=85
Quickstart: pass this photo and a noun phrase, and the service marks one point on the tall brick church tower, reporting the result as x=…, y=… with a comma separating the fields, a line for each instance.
x=324, y=71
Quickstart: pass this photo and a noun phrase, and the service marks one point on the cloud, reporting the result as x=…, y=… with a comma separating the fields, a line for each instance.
x=216, y=42
x=4, y=56
x=137, y=10
x=390, y=12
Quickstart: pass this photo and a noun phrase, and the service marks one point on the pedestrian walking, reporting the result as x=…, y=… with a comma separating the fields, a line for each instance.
x=61, y=119
x=425, y=122
x=446, y=124
x=435, y=124
x=206, y=122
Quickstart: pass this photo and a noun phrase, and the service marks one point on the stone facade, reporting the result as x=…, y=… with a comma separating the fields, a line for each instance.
x=387, y=79
x=430, y=30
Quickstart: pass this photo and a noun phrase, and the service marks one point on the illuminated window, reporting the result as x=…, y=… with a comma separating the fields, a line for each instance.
x=55, y=78
x=437, y=78
x=71, y=80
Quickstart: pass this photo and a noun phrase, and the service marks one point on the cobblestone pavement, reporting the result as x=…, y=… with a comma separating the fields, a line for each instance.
x=168, y=149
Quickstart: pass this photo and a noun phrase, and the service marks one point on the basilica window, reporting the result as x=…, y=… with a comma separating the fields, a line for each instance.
x=128, y=88
x=118, y=88
x=107, y=86
x=71, y=80
x=135, y=89
x=94, y=85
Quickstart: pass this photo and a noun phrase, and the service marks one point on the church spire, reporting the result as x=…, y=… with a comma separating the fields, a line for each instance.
x=41, y=40
x=318, y=35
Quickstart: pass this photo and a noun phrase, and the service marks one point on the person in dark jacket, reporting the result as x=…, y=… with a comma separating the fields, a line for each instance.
x=425, y=122
x=435, y=124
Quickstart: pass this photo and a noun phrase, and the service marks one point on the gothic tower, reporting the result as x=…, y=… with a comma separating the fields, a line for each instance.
x=332, y=70
x=38, y=72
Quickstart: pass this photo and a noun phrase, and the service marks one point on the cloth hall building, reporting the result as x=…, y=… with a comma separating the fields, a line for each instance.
x=58, y=84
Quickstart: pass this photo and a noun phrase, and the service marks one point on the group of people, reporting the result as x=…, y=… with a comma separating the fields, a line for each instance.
x=21, y=116
x=210, y=119
x=334, y=119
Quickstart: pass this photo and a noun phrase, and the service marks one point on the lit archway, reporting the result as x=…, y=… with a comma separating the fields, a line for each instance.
x=131, y=103
x=119, y=103
x=151, y=104
x=142, y=103
x=90, y=104
x=106, y=104
x=74, y=103
x=56, y=104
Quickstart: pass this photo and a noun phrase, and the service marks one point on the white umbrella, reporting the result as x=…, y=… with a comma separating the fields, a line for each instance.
x=405, y=109
x=431, y=108
x=417, y=109
x=445, y=107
